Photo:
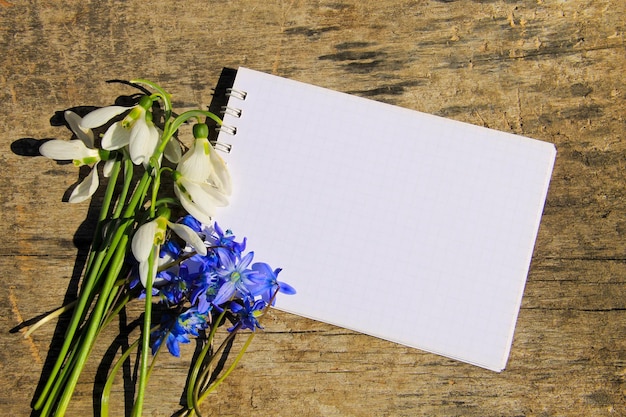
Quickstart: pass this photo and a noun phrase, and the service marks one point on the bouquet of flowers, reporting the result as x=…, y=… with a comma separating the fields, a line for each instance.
x=157, y=244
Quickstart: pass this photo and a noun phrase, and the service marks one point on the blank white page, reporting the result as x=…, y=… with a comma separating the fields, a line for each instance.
x=390, y=222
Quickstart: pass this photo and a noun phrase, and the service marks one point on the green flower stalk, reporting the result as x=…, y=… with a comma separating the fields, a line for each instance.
x=155, y=247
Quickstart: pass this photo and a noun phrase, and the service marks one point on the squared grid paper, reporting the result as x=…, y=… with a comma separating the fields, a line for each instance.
x=390, y=222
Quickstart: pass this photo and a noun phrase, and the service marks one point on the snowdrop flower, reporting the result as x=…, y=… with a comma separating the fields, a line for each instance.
x=202, y=163
x=202, y=181
x=150, y=236
x=199, y=199
x=136, y=131
x=82, y=152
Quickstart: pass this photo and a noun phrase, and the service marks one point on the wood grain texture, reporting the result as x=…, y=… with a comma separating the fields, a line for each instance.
x=552, y=70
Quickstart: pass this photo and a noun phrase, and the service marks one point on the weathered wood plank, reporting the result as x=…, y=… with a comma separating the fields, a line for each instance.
x=545, y=69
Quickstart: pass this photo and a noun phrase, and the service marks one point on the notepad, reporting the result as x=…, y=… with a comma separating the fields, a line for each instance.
x=398, y=224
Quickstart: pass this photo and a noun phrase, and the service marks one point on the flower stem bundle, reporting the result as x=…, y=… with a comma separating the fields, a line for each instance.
x=156, y=245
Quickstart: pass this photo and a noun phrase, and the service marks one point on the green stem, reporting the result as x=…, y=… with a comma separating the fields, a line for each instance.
x=207, y=369
x=86, y=299
x=226, y=373
x=145, y=339
x=193, y=392
x=128, y=177
x=113, y=295
x=115, y=310
x=76, y=319
x=200, y=360
x=109, y=383
x=87, y=293
x=138, y=195
x=161, y=92
x=56, y=313
x=62, y=378
x=182, y=119
x=155, y=191
x=104, y=210
x=94, y=323
x=106, y=392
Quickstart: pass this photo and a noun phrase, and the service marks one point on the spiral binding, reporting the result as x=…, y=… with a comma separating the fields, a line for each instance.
x=231, y=130
x=240, y=94
x=232, y=111
x=223, y=147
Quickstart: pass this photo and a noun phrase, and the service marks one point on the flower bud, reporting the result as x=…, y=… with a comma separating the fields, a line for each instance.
x=145, y=102
x=200, y=131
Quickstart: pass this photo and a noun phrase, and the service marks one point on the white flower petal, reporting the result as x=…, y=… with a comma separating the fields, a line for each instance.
x=221, y=175
x=143, y=272
x=87, y=187
x=60, y=149
x=144, y=139
x=145, y=266
x=115, y=137
x=155, y=137
x=190, y=236
x=84, y=134
x=204, y=194
x=143, y=240
x=101, y=116
x=63, y=150
x=108, y=168
x=203, y=214
x=195, y=165
x=172, y=151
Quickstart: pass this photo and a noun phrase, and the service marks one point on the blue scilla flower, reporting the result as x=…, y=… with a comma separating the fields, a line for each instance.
x=205, y=263
x=267, y=284
x=163, y=333
x=191, y=322
x=248, y=313
x=234, y=274
x=226, y=240
x=204, y=291
x=175, y=288
x=215, y=235
x=188, y=323
x=170, y=250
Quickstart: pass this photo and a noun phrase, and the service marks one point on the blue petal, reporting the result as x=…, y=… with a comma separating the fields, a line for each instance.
x=286, y=288
x=226, y=258
x=172, y=345
x=243, y=264
x=192, y=222
x=264, y=269
x=225, y=293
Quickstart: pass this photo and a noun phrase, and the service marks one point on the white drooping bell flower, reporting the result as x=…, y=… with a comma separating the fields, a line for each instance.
x=136, y=131
x=203, y=164
x=149, y=237
x=81, y=152
x=202, y=180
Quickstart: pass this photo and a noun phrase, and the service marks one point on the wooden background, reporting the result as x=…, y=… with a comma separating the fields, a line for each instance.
x=551, y=70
